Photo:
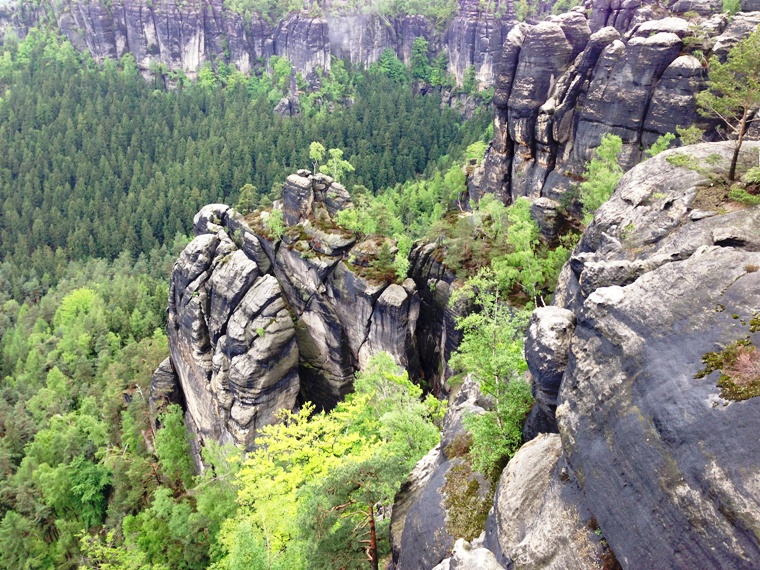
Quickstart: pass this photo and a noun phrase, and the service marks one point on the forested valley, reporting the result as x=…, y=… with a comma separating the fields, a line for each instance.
x=102, y=169
x=101, y=173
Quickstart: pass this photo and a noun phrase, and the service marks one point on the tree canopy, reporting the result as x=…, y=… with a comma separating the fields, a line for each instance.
x=733, y=93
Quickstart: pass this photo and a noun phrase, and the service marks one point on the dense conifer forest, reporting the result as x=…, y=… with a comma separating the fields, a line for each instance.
x=101, y=173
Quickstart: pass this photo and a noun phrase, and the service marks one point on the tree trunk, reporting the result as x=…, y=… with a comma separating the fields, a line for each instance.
x=372, y=548
x=738, y=146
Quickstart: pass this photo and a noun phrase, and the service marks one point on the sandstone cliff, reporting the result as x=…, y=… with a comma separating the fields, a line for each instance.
x=655, y=449
x=630, y=70
x=260, y=321
x=635, y=367
x=184, y=35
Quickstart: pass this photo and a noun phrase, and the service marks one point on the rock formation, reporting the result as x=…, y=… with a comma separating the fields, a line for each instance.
x=257, y=318
x=185, y=35
x=431, y=510
x=563, y=83
x=654, y=448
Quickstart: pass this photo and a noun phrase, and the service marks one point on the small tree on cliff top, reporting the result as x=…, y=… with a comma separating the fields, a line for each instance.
x=734, y=91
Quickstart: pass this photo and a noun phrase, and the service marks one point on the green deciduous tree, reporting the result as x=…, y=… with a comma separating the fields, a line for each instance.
x=336, y=166
x=420, y=60
x=173, y=448
x=733, y=92
x=602, y=175
x=491, y=351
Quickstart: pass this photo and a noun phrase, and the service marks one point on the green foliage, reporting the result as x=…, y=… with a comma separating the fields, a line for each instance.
x=491, y=351
x=336, y=166
x=734, y=90
x=497, y=434
x=752, y=176
x=563, y=6
x=73, y=453
x=173, y=447
x=304, y=469
x=602, y=175
x=248, y=199
x=391, y=66
x=690, y=135
x=275, y=224
x=731, y=6
x=316, y=154
x=470, y=80
x=420, y=60
x=661, y=144
x=744, y=197
x=95, y=161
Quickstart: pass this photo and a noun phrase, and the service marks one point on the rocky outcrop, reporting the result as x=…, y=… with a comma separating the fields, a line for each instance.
x=231, y=338
x=164, y=390
x=186, y=35
x=258, y=317
x=652, y=451
x=443, y=495
x=539, y=520
x=303, y=41
x=546, y=350
x=563, y=83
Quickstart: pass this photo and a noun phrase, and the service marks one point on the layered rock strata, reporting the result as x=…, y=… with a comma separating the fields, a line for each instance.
x=186, y=35
x=259, y=318
x=654, y=447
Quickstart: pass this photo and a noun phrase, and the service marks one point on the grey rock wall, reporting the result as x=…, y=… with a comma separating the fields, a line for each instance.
x=184, y=35
x=257, y=322
x=650, y=452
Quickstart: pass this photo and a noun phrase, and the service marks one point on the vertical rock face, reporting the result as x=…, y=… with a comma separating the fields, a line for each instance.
x=254, y=321
x=474, y=40
x=562, y=84
x=654, y=447
x=304, y=42
x=231, y=338
x=437, y=336
x=185, y=35
x=546, y=350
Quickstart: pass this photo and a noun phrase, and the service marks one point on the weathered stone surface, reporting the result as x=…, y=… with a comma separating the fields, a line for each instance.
x=186, y=35
x=419, y=536
x=466, y=557
x=393, y=324
x=539, y=520
x=354, y=299
x=297, y=199
x=255, y=365
x=658, y=291
x=233, y=275
x=210, y=218
x=242, y=234
x=231, y=339
x=633, y=69
x=437, y=335
x=474, y=39
x=327, y=363
x=547, y=347
x=164, y=389
x=303, y=41
x=673, y=98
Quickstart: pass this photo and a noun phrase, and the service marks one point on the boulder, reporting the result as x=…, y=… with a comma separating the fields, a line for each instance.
x=547, y=347
x=539, y=520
